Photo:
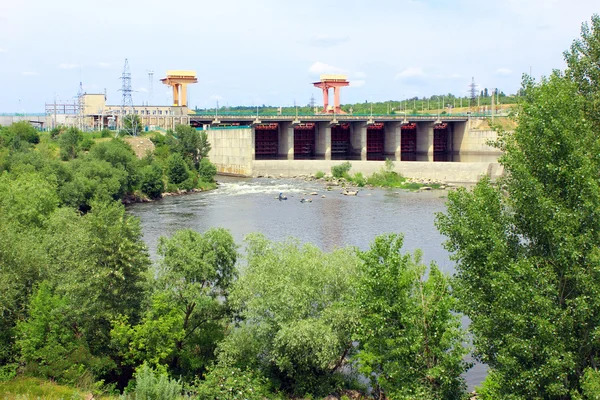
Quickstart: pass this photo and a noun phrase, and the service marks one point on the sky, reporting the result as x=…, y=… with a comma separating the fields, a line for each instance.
x=270, y=51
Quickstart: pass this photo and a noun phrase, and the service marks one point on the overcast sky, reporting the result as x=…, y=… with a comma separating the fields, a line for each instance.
x=269, y=51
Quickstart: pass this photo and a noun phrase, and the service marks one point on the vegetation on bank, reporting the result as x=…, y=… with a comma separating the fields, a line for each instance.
x=82, y=304
x=386, y=177
x=84, y=166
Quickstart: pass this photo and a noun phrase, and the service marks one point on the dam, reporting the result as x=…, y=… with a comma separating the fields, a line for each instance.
x=453, y=148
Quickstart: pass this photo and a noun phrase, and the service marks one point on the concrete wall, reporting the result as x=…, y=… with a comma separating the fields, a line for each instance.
x=7, y=120
x=232, y=150
x=443, y=171
x=471, y=144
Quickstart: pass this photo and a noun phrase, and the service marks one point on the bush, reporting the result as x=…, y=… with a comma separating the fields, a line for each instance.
x=151, y=385
x=152, y=181
x=223, y=382
x=207, y=170
x=319, y=174
x=86, y=144
x=69, y=143
x=340, y=171
x=359, y=179
x=106, y=133
x=177, y=170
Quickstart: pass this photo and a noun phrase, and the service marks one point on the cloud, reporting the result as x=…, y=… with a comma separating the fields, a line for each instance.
x=68, y=66
x=319, y=68
x=104, y=65
x=3, y=50
x=216, y=97
x=360, y=75
x=142, y=90
x=411, y=72
x=30, y=73
x=327, y=40
x=503, y=71
x=357, y=83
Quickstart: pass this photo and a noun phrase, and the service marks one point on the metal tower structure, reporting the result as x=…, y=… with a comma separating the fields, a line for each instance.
x=127, y=100
x=473, y=91
x=80, y=106
x=150, y=86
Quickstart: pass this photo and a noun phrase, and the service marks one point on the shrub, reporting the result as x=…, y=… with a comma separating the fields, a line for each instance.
x=69, y=143
x=359, y=179
x=207, y=170
x=223, y=382
x=152, y=181
x=319, y=174
x=86, y=144
x=152, y=384
x=177, y=170
x=340, y=171
x=106, y=133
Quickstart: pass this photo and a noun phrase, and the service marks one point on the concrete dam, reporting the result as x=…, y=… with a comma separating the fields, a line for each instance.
x=447, y=148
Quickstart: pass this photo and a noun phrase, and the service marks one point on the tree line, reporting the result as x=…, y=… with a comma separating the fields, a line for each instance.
x=82, y=303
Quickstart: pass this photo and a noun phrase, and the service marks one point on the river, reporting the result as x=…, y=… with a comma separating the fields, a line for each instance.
x=249, y=205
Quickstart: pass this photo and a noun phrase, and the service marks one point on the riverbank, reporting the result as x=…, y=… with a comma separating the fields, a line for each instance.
x=135, y=198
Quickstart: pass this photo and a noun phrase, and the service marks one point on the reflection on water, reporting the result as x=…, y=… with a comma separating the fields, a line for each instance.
x=250, y=205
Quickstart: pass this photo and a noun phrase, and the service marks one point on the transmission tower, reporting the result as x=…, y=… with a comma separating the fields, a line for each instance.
x=473, y=92
x=150, y=86
x=80, y=106
x=127, y=101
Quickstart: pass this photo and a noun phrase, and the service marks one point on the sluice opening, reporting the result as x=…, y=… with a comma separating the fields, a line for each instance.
x=408, y=142
x=266, y=141
x=340, y=142
x=304, y=141
x=440, y=142
x=375, y=142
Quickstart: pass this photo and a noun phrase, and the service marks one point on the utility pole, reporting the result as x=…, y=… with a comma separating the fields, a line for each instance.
x=151, y=86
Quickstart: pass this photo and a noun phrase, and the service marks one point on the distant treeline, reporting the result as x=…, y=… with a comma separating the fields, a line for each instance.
x=415, y=105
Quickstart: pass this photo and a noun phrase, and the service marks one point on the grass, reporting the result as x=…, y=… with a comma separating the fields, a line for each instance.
x=25, y=388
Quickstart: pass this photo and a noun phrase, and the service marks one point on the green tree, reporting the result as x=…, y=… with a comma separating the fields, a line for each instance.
x=177, y=170
x=582, y=61
x=49, y=347
x=69, y=143
x=90, y=179
x=132, y=125
x=17, y=134
x=207, y=170
x=410, y=339
x=120, y=155
x=152, y=181
x=298, y=324
x=527, y=249
x=100, y=263
x=193, y=144
x=189, y=305
x=22, y=264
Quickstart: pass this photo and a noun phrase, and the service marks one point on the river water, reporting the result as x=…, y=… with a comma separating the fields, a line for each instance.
x=250, y=205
